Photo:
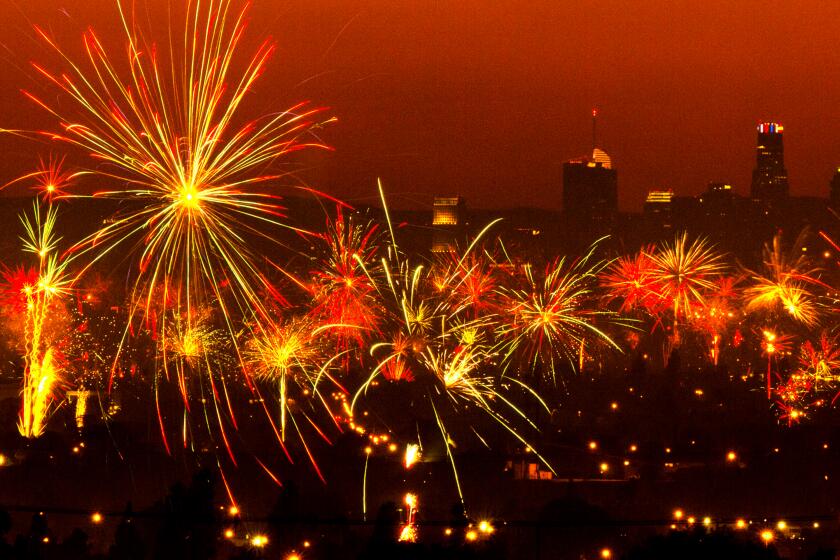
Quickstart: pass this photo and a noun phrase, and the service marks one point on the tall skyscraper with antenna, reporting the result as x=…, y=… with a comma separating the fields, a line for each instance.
x=590, y=188
x=770, y=180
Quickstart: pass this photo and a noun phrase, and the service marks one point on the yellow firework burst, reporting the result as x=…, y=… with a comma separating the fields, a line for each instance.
x=167, y=133
x=785, y=284
x=41, y=368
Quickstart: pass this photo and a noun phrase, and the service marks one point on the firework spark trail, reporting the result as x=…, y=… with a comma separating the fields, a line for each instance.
x=548, y=320
x=684, y=271
x=51, y=179
x=168, y=138
x=345, y=293
x=631, y=279
x=292, y=355
x=165, y=129
x=820, y=363
x=41, y=367
x=717, y=313
x=437, y=347
x=785, y=284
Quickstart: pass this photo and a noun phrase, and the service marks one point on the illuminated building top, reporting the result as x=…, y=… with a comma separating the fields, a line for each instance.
x=447, y=210
x=660, y=197
x=599, y=158
x=770, y=128
x=770, y=181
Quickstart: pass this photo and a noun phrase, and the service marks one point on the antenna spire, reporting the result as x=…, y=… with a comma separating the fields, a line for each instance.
x=594, y=128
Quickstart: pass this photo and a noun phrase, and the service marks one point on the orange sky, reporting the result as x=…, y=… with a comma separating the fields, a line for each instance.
x=487, y=98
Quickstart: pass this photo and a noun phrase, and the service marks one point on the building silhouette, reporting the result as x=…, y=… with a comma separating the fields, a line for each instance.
x=770, y=180
x=590, y=192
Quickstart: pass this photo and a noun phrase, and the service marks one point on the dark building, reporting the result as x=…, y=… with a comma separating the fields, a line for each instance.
x=590, y=192
x=770, y=180
x=834, y=190
x=658, y=211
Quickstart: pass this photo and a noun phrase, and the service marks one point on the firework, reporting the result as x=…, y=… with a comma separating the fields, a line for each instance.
x=408, y=532
x=684, y=270
x=820, y=362
x=440, y=348
x=41, y=368
x=631, y=280
x=470, y=282
x=412, y=455
x=286, y=354
x=785, y=284
x=290, y=355
x=167, y=137
x=548, y=321
x=345, y=293
x=719, y=312
x=773, y=345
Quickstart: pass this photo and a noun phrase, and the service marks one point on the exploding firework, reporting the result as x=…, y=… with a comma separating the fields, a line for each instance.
x=786, y=284
x=772, y=346
x=290, y=355
x=345, y=294
x=442, y=349
x=41, y=374
x=718, y=314
x=684, y=270
x=166, y=134
x=549, y=320
x=631, y=280
x=408, y=531
x=820, y=362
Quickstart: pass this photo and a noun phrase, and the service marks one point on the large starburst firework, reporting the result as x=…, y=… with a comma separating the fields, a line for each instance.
x=168, y=136
x=684, y=270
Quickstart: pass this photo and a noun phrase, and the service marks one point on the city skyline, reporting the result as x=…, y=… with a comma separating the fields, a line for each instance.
x=488, y=102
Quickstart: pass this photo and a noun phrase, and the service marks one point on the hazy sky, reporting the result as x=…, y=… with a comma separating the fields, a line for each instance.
x=488, y=98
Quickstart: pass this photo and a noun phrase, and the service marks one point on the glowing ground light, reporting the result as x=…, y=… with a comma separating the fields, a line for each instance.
x=731, y=456
x=96, y=518
x=707, y=521
x=293, y=556
x=767, y=536
x=472, y=535
x=485, y=527
x=782, y=525
x=233, y=511
x=593, y=445
x=604, y=467
x=678, y=514
x=740, y=524
x=606, y=553
x=448, y=531
x=259, y=541
x=229, y=533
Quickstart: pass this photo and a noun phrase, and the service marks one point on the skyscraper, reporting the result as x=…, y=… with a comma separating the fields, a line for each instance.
x=590, y=190
x=769, y=180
